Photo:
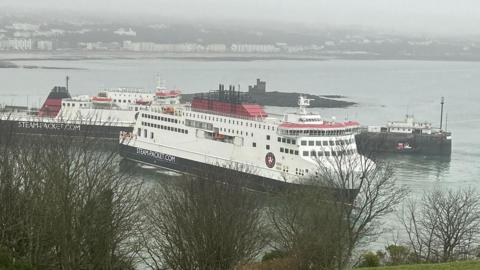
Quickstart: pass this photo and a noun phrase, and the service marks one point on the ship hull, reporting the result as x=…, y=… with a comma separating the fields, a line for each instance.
x=58, y=128
x=193, y=167
x=415, y=144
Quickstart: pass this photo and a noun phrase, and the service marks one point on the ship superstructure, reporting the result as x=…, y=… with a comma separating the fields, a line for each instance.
x=408, y=136
x=224, y=131
x=103, y=115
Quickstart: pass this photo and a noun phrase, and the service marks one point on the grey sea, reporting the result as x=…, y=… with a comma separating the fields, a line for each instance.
x=384, y=91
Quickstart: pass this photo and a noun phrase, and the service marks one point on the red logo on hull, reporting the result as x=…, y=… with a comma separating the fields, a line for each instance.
x=270, y=160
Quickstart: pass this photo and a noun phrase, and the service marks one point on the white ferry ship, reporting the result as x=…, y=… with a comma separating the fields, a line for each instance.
x=223, y=132
x=103, y=115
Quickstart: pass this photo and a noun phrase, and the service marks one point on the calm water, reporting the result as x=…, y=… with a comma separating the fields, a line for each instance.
x=384, y=90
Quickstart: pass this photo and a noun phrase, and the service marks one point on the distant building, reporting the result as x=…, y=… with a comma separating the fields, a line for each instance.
x=216, y=48
x=44, y=45
x=259, y=88
x=16, y=44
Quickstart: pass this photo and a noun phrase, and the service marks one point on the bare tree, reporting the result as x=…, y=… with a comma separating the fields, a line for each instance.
x=444, y=225
x=369, y=187
x=202, y=224
x=308, y=227
x=73, y=208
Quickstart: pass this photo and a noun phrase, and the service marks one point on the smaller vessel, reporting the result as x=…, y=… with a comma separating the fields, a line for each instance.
x=104, y=115
x=408, y=136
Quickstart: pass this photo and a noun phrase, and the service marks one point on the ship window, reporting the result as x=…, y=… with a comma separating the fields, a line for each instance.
x=73, y=104
x=151, y=135
x=331, y=143
x=286, y=150
x=268, y=137
x=334, y=153
x=304, y=142
x=325, y=143
x=139, y=132
x=263, y=126
x=145, y=133
x=318, y=143
x=310, y=143
x=320, y=153
x=293, y=141
x=291, y=151
x=283, y=140
x=288, y=141
x=267, y=147
x=186, y=131
x=313, y=153
x=246, y=133
x=281, y=149
x=268, y=127
x=296, y=152
x=305, y=153
x=279, y=139
x=337, y=142
x=254, y=144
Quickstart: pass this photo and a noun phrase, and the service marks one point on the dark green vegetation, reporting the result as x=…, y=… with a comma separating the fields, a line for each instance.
x=66, y=205
x=466, y=265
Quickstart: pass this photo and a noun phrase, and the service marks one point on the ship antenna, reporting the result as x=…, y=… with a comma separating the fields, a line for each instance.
x=67, y=79
x=441, y=112
x=446, y=121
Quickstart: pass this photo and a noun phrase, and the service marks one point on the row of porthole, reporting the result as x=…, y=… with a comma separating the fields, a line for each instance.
x=161, y=118
x=326, y=143
x=230, y=121
x=328, y=153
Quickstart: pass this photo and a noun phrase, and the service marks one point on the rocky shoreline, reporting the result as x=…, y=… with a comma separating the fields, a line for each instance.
x=288, y=99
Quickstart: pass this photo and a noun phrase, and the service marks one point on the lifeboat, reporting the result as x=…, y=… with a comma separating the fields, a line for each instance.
x=142, y=102
x=218, y=136
x=168, y=110
x=101, y=100
x=168, y=94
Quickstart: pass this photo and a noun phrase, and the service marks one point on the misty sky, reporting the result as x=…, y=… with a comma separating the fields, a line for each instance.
x=446, y=17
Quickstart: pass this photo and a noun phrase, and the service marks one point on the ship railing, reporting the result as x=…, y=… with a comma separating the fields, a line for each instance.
x=93, y=120
x=257, y=119
x=127, y=90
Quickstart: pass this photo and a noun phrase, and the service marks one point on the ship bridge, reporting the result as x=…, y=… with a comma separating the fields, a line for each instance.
x=304, y=123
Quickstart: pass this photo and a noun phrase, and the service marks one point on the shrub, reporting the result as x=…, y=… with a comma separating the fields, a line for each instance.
x=370, y=259
x=273, y=255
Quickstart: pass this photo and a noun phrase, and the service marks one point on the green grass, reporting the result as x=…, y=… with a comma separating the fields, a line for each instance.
x=467, y=265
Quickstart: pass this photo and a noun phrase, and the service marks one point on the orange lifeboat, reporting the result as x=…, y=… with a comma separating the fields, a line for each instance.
x=103, y=100
x=168, y=110
x=218, y=136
